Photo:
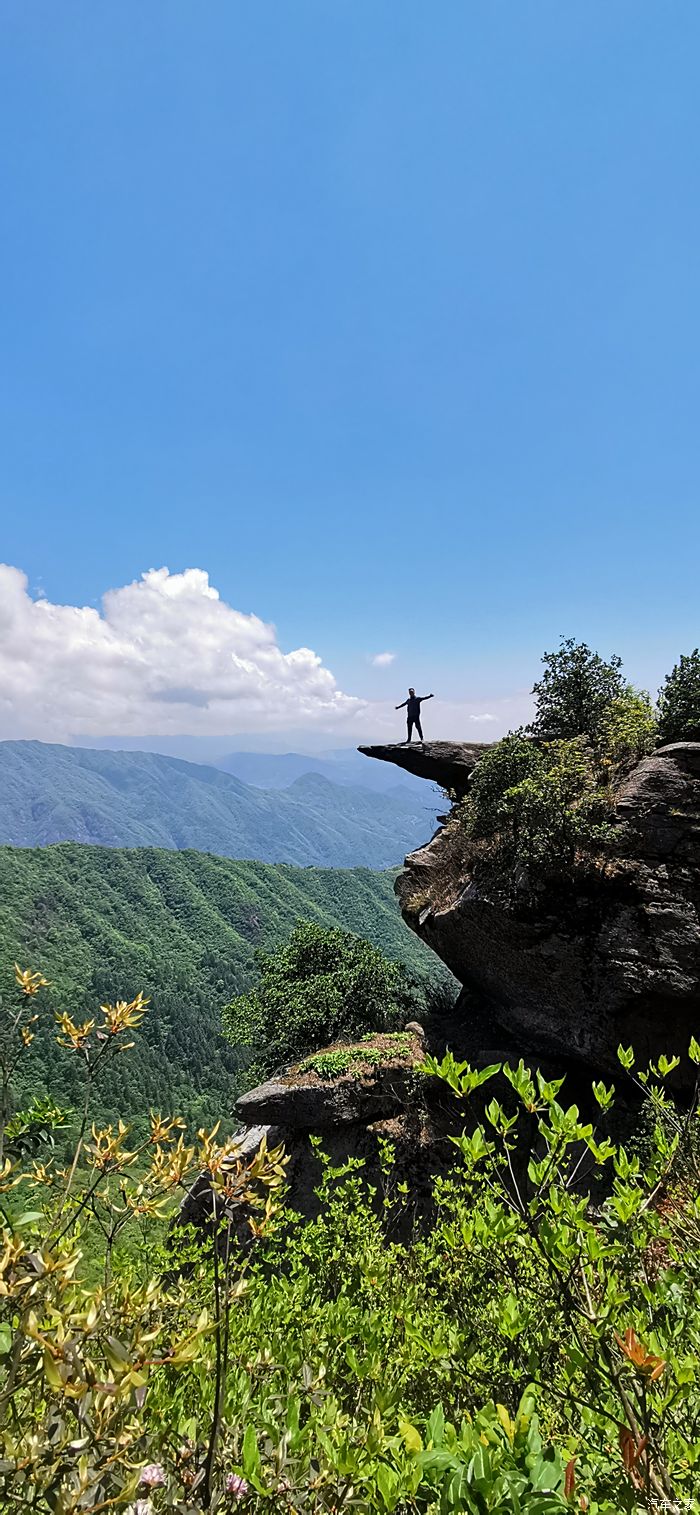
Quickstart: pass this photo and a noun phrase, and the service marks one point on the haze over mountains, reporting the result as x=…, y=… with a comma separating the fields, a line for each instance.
x=277, y=770
x=52, y=793
x=261, y=768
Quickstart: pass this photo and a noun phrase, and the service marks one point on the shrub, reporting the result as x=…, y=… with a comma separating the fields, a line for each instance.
x=539, y=803
x=575, y=691
x=79, y=1362
x=556, y=812
x=501, y=768
x=627, y=730
x=679, y=701
x=323, y=986
x=534, y=1352
x=600, y=1295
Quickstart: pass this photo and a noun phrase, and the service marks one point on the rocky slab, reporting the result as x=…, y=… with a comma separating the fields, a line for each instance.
x=449, y=764
x=315, y=1104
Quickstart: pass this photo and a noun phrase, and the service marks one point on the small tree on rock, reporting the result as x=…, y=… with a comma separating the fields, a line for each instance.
x=576, y=690
x=322, y=985
x=679, y=701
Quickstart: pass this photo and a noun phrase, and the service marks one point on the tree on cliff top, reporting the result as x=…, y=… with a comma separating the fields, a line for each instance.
x=679, y=701
x=322, y=985
x=576, y=690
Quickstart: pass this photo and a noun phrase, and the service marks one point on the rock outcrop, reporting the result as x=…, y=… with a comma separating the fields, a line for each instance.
x=614, y=956
x=352, y=1114
x=318, y=1104
x=449, y=764
x=561, y=977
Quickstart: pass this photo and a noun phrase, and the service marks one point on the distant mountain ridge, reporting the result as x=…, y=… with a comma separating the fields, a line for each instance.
x=259, y=766
x=51, y=793
x=277, y=770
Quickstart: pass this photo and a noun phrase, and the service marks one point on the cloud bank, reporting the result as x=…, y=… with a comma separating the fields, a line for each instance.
x=164, y=655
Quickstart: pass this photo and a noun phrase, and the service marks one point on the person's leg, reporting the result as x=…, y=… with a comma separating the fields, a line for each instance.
x=409, y=729
x=419, y=728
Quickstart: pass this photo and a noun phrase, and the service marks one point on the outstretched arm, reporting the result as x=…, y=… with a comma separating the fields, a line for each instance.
x=425, y=697
x=401, y=706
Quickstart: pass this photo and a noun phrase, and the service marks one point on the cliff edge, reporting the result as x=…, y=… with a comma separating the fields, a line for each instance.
x=608, y=956
x=449, y=764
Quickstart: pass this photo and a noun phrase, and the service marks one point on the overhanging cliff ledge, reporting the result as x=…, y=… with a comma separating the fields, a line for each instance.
x=449, y=764
x=608, y=954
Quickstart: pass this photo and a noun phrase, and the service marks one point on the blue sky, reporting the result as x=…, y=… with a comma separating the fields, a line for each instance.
x=384, y=315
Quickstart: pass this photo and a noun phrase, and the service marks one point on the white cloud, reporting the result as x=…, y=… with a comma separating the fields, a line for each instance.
x=485, y=717
x=383, y=659
x=164, y=655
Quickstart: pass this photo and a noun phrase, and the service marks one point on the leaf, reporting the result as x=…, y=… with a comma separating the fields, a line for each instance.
x=116, y=1355
x=386, y=1483
x=647, y=1363
x=5, y=1339
x=411, y=1438
x=51, y=1371
x=251, y=1455
x=545, y=1475
x=506, y=1422
x=435, y=1426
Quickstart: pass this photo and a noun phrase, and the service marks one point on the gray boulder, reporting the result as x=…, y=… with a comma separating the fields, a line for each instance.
x=314, y=1104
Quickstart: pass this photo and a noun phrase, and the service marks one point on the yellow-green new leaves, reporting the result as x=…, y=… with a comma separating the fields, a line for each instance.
x=28, y=982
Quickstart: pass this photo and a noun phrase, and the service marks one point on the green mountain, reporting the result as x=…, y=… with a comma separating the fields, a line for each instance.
x=142, y=799
x=182, y=926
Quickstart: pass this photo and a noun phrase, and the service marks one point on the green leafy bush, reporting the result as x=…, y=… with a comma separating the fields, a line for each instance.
x=575, y=691
x=501, y=768
x=627, y=730
x=539, y=804
x=601, y=1292
x=322, y=986
x=679, y=701
x=536, y=1351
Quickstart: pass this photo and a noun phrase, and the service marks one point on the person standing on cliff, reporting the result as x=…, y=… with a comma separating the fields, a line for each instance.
x=412, y=706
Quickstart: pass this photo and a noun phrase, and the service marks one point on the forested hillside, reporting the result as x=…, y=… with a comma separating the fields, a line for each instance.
x=103, y=923
x=142, y=799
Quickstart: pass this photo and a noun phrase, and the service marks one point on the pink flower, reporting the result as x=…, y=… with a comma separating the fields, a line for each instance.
x=152, y=1475
x=236, y=1485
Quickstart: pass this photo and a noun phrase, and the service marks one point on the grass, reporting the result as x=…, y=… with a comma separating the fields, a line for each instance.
x=373, y=1050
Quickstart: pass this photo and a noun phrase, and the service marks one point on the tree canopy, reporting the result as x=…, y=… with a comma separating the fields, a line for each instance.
x=679, y=701
x=575, y=691
x=322, y=985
